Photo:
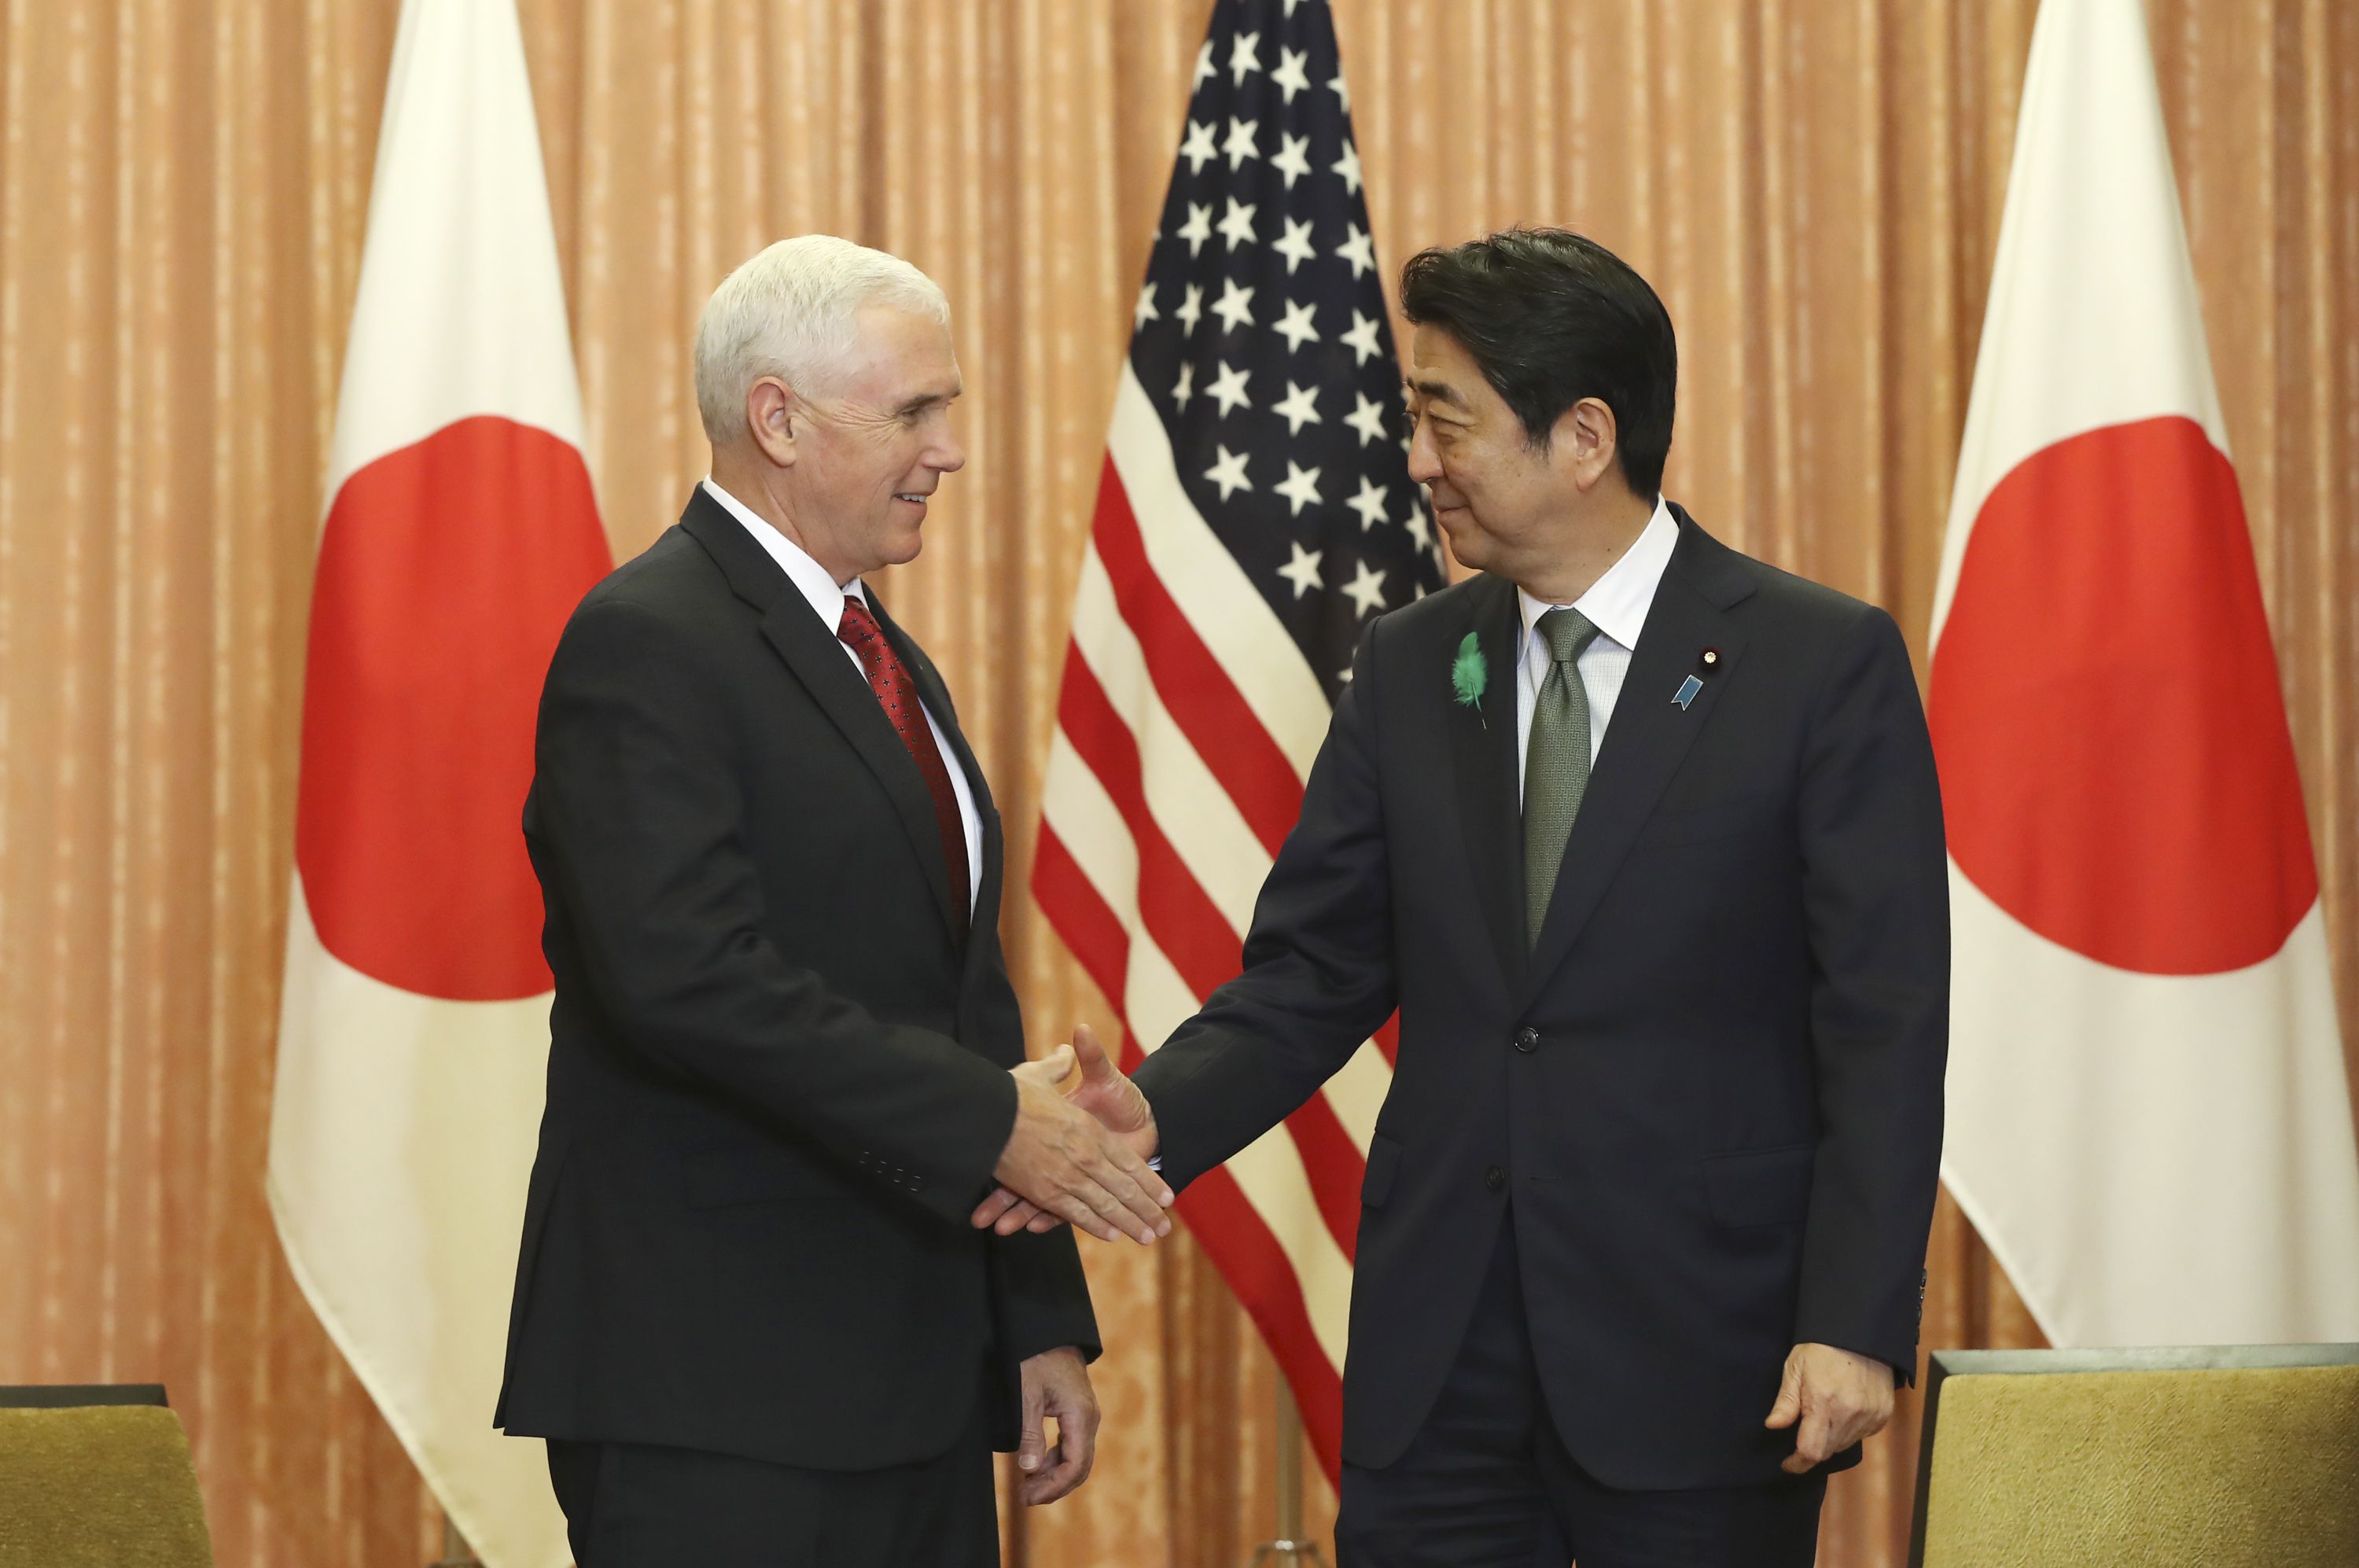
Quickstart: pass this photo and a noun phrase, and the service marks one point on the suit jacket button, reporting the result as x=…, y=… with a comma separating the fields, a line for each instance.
x=1494, y=1178
x=1527, y=1040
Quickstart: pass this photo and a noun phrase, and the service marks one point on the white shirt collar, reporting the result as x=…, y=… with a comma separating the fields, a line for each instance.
x=1616, y=603
x=808, y=575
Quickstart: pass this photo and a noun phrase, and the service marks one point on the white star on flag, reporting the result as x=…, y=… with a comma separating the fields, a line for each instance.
x=1335, y=86
x=1234, y=306
x=1197, y=229
x=1367, y=589
x=1145, y=311
x=1363, y=336
x=1288, y=74
x=1185, y=388
x=1357, y=251
x=1301, y=488
x=1244, y=57
x=1303, y=570
x=1296, y=245
x=1228, y=471
x=1348, y=165
x=1204, y=68
x=1369, y=503
x=1295, y=327
x=1290, y=160
x=1367, y=416
x=1198, y=149
x=1241, y=142
x=1299, y=408
x=1191, y=309
x=1236, y=224
x=1228, y=389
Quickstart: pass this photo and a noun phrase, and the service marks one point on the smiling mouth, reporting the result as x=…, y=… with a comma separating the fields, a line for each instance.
x=906, y=495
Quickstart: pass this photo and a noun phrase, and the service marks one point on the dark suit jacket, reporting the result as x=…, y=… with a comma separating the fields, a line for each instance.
x=1710, y=1098
x=778, y=1080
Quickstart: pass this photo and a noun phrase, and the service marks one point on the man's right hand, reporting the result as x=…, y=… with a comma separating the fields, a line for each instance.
x=1063, y=1162
x=1108, y=1093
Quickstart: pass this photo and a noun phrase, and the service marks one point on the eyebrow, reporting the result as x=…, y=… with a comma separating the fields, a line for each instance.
x=918, y=405
x=1440, y=391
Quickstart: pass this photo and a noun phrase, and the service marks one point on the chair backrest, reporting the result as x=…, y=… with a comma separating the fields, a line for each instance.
x=97, y=1477
x=2098, y=1458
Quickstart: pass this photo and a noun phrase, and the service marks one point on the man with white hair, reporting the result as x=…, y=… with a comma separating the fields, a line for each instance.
x=785, y=1059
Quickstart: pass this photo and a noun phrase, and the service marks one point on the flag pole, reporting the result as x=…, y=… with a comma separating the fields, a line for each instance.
x=1290, y=1548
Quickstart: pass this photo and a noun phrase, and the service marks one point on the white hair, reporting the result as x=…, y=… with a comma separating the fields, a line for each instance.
x=790, y=312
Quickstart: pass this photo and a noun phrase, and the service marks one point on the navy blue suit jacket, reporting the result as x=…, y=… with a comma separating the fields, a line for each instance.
x=1712, y=1088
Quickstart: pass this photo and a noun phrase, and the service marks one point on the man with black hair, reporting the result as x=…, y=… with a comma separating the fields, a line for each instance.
x=1642, y=838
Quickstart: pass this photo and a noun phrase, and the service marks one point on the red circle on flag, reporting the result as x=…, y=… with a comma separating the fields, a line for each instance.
x=446, y=571
x=2116, y=772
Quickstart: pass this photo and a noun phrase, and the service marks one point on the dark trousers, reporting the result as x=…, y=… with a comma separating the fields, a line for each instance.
x=630, y=1505
x=1486, y=1483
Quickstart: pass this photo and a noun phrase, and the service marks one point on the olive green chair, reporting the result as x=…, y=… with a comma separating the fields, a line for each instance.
x=97, y=1477
x=2218, y=1457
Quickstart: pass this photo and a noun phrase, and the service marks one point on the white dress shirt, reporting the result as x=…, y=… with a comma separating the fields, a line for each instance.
x=827, y=601
x=1616, y=605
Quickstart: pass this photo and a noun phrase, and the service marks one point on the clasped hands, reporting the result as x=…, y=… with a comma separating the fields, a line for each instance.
x=1080, y=1157
x=1831, y=1396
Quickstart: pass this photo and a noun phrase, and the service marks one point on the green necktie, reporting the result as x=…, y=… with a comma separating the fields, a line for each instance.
x=1556, y=761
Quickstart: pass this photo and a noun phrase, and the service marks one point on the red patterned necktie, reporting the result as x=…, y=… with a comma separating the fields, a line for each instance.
x=890, y=680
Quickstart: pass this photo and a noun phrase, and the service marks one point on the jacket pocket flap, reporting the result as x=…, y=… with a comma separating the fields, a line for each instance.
x=1383, y=1160
x=1760, y=1186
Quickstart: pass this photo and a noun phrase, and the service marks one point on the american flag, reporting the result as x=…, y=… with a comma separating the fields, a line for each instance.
x=1255, y=512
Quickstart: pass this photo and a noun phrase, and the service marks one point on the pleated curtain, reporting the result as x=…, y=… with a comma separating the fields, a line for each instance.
x=1813, y=185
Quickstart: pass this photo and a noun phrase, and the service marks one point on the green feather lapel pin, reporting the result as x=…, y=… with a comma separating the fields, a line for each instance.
x=1469, y=674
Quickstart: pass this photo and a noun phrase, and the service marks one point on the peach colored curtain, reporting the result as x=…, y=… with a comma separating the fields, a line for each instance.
x=1814, y=185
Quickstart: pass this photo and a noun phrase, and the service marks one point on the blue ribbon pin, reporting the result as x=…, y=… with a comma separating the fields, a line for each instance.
x=1688, y=689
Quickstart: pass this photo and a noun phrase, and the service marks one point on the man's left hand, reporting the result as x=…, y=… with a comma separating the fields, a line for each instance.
x=1838, y=1397
x=1055, y=1387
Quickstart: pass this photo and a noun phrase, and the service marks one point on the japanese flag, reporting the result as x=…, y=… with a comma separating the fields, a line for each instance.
x=2148, y=1118
x=460, y=533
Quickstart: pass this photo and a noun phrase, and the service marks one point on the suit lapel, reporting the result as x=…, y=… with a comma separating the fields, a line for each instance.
x=1482, y=751
x=936, y=696
x=1648, y=736
x=817, y=659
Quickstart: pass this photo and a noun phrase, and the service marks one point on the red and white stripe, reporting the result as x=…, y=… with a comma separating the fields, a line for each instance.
x=1185, y=728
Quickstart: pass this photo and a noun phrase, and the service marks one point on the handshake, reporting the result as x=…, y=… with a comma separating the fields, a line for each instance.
x=1079, y=1156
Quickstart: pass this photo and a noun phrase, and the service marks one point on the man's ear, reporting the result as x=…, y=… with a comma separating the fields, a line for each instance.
x=774, y=415
x=1585, y=442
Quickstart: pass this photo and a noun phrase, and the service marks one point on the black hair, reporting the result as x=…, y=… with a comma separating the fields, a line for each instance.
x=1552, y=317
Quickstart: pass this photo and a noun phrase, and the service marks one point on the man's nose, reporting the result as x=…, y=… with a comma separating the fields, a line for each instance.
x=1424, y=463
x=949, y=457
